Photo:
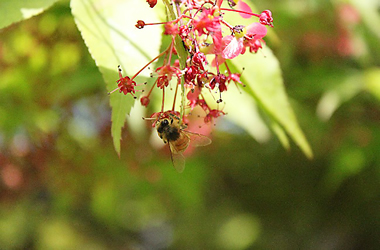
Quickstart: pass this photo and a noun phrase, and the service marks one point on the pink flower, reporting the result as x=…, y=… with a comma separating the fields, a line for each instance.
x=125, y=85
x=168, y=71
x=219, y=81
x=171, y=29
x=162, y=81
x=198, y=60
x=235, y=77
x=266, y=18
x=214, y=113
x=207, y=22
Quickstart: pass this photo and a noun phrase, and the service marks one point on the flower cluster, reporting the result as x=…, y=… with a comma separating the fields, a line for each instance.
x=210, y=42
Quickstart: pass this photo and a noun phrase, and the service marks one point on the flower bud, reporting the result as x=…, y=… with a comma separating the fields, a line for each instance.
x=145, y=101
x=140, y=24
x=152, y=3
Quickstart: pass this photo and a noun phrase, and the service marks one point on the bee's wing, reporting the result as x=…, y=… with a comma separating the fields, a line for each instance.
x=198, y=140
x=178, y=159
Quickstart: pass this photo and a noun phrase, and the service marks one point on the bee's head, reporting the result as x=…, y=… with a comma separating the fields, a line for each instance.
x=161, y=124
x=165, y=122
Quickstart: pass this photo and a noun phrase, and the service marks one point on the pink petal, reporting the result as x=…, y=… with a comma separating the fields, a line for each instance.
x=244, y=7
x=226, y=40
x=193, y=95
x=217, y=38
x=233, y=48
x=257, y=29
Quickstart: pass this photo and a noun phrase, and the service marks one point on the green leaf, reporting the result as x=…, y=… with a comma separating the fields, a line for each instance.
x=264, y=82
x=108, y=29
x=242, y=110
x=369, y=14
x=15, y=11
x=281, y=135
x=349, y=85
x=372, y=81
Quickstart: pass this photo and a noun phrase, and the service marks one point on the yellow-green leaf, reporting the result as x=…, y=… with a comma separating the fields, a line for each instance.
x=263, y=78
x=15, y=11
x=108, y=29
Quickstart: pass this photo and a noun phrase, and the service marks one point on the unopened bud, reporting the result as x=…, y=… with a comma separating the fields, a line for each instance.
x=140, y=24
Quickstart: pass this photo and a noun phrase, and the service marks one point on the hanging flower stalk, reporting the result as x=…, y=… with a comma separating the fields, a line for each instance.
x=197, y=29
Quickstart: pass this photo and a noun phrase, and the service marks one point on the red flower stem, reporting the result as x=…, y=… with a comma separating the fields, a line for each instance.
x=151, y=89
x=184, y=12
x=241, y=11
x=163, y=99
x=198, y=9
x=145, y=24
x=113, y=91
x=205, y=103
x=173, y=21
x=176, y=90
x=228, y=69
x=227, y=24
x=171, y=50
x=201, y=7
x=217, y=64
x=154, y=59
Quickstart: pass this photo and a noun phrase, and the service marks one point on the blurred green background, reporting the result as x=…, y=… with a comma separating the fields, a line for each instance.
x=62, y=186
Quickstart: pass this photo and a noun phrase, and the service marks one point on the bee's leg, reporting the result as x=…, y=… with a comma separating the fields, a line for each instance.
x=183, y=126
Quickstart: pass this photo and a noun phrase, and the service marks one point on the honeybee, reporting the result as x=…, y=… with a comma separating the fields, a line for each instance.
x=170, y=130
